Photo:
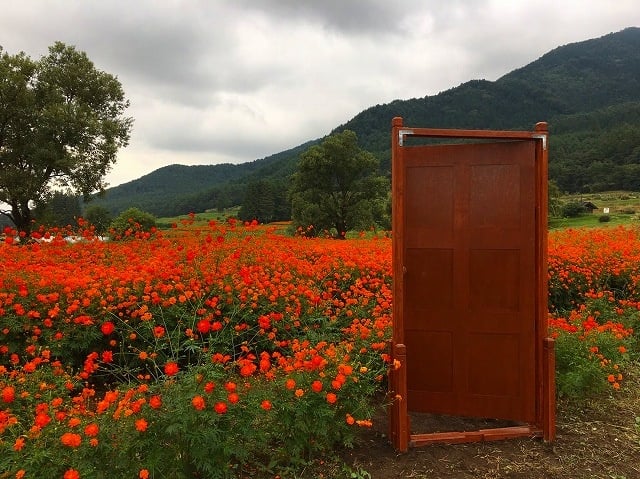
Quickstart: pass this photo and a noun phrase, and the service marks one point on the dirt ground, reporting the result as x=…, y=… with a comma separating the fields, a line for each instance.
x=596, y=438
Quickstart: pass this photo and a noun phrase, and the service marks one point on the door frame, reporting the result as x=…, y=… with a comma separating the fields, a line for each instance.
x=399, y=423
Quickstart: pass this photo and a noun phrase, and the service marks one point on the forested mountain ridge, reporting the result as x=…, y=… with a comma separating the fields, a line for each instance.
x=588, y=92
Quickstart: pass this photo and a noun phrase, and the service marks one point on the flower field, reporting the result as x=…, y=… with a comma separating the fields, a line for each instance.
x=234, y=351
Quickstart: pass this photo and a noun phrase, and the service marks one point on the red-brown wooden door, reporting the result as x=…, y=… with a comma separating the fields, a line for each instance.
x=469, y=259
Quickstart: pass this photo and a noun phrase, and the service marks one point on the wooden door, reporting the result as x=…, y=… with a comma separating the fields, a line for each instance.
x=469, y=293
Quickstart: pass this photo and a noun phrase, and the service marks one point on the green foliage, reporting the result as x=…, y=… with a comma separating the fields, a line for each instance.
x=604, y=218
x=59, y=210
x=61, y=125
x=130, y=222
x=337, y=187
x=99, y=217
x=573, y=209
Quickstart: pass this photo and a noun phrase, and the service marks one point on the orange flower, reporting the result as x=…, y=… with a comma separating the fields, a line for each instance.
x=209, y=387
x=171, y=368
x=220, y=407
x=266, y=405
x=8, y=394
x=233, y=398
x=144, y=474
x=91, y=430
x=198, y=403
x=71, y=474
x=155, y=402
x=70, y=439
x=331, y=398
x=350, y=420
x=299, y=392
x=20, y=474
x=316, y=386
x=19, y=444
x=141, y=424
x=290, y=384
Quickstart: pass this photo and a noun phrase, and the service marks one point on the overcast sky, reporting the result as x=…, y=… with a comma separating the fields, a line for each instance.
x=237, y=80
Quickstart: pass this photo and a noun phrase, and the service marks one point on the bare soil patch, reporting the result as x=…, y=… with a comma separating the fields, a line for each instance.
x=596, y=438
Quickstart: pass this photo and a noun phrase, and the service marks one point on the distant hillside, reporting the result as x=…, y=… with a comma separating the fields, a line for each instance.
x=588, y=92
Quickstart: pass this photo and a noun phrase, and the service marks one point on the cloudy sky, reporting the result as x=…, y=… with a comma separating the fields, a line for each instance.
x=215, y=81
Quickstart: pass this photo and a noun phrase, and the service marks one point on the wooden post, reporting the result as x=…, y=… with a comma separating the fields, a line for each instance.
x=549, y=387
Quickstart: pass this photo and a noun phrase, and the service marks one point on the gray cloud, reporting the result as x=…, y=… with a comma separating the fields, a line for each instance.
x=236, y=80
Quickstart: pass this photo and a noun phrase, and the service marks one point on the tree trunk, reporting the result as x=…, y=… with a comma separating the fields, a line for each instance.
x=21, y=217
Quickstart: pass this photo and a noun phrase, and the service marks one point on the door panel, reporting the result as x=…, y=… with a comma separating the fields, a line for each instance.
x=470, y=282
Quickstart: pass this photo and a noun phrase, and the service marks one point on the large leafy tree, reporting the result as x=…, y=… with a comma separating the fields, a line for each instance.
x=61, y=125
x=337, y=187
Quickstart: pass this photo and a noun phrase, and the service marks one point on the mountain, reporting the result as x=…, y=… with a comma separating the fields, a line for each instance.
x=588, y=92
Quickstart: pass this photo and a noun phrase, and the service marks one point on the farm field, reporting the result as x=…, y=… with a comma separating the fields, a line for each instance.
x=228, y=350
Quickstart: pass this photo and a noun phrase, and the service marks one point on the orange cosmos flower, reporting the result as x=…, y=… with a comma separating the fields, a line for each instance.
x=144, y=474
x=290, y=383
x=220, y=407
x=107, y=328
x=20, y=474
x=91, y=430
x=350, y=420
x=70, y=439
x=71, y=474
x=141, y=424
x=316, y=386
x=19, y=444
x=198, y=403
x=299, y=392
x=266, y=405
x=155, y=402
x=8, y=394
x=171, y=368
x=233, y=398
x=331, y=398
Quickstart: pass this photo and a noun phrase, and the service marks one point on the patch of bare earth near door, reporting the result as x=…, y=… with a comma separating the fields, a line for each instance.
x=596, y=438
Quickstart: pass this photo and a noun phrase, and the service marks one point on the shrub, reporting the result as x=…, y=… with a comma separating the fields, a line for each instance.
x=572, y=209
x=131, y=223
x=604, y=218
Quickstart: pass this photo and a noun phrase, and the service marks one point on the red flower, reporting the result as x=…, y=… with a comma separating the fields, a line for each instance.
x=233, y=398
x=209, y=387
x=107, y=328
x=91, y=430
x=71, y=439
x=171, y=368
x=230, y=386
x=331, y=398
x=71, y=474
x=141, y=424
x=8, y=394
x=220, y=407
x=19, y=444
x=198, y=403
x=155, y=402
x=158, y=331
x=204, y=326
x=316, y=386
x=144, y=474
x=266, y=405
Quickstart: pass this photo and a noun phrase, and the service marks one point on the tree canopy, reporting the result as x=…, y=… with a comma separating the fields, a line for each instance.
x=337, y=187
x=61, y=125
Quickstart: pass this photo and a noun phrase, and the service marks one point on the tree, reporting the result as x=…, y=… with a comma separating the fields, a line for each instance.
x=337, y=186
x=60, y=210
x=61, y=125
x=99, y=217
x=131, y=222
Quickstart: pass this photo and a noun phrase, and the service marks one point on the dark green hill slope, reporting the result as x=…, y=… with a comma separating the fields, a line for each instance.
x=588, y=92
